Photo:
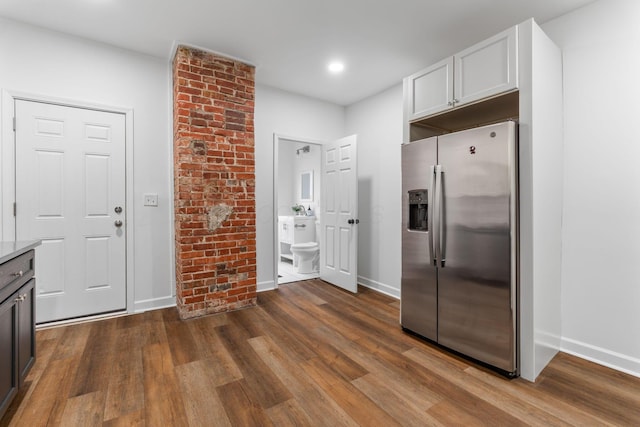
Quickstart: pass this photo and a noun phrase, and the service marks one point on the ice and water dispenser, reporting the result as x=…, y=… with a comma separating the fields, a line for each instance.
x=418, y=219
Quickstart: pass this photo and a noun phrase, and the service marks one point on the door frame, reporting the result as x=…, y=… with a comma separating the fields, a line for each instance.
x=276, y=143
x=8, y=172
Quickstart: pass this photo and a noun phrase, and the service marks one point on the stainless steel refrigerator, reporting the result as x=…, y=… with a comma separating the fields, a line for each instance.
x=460, y=243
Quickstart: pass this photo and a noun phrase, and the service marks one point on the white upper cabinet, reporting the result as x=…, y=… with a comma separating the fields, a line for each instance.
x=430, y=90
x=487, y=68
x=481, y=71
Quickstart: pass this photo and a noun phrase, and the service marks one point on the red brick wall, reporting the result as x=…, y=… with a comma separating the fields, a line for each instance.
x=214, y=171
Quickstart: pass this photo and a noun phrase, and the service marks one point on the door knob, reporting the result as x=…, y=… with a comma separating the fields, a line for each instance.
x=118, y=223
x=118, y=209
x=353, y=221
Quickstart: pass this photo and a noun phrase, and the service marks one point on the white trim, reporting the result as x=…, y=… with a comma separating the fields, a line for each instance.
x=7, y=175
x=7, y=172
x=154, y=304
x=130, y=210
x=268, y=285
x=171, y=190
x=176, y=43
x=601, y=356
x=379, y=287
x=274, y=230
x=276, y=143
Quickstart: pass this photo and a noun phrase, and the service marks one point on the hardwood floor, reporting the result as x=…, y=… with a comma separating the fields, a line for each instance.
x=308, y=355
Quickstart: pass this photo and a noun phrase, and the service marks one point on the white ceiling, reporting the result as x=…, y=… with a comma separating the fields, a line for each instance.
x=292, y=41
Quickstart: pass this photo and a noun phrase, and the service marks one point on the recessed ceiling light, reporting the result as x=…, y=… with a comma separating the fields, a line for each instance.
x=336, y=67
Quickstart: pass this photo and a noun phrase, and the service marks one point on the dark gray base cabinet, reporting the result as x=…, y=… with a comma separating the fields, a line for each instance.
x=17, y=325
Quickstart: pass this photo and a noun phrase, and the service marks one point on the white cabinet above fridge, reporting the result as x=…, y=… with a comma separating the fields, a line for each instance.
x=481, y=71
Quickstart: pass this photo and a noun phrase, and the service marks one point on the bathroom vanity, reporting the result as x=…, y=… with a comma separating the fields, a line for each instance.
x=285, y=237
x=17, y=317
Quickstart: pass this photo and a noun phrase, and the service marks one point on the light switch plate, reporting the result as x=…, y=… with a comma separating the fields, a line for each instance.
x=151, y=199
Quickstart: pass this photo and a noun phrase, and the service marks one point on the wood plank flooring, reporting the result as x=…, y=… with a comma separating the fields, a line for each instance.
x=308, y=355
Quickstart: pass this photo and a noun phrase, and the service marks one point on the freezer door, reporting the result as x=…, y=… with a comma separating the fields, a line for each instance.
x=477, y=278
x=419, y=288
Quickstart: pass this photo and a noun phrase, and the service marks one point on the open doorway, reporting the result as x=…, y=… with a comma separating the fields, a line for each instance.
x=297, y=189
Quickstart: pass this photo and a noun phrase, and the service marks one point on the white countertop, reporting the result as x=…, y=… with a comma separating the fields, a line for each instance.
x=9, y=250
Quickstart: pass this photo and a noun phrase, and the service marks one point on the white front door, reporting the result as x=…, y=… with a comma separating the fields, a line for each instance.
x=70, y=193
x=339, y=218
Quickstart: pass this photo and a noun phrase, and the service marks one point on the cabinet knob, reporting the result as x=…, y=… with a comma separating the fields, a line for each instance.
x=18, y=274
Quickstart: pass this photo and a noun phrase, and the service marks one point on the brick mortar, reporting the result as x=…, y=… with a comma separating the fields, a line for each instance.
x=214, y=169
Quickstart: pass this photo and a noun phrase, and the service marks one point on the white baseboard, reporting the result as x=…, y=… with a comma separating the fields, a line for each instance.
x=380, y=287
x=268, y=285
x=154, y=304
x=601, y=356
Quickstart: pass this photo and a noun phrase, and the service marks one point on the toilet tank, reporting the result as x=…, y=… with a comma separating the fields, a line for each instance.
x=304, y=229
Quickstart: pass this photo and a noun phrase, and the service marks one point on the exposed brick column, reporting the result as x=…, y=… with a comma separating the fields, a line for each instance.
x=214, y=183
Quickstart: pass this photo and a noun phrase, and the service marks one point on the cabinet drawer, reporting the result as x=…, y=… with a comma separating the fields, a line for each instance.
x=14, y=273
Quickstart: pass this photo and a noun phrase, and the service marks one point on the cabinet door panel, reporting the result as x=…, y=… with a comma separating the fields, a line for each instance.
x=429, y=91
x=8, y=372
x=487, y=68
x=26, y=327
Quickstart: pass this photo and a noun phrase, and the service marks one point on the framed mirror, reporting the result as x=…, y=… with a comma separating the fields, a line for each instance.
x=306, y=186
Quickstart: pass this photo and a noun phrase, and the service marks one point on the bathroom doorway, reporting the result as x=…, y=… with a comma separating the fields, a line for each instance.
x=297, y=173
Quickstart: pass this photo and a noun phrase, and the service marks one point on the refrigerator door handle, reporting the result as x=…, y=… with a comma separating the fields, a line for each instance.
x=437, y=215
x=441, y=245
x=430, y=211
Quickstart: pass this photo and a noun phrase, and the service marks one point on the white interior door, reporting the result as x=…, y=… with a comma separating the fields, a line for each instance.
x=70, y=193
x=339, y=218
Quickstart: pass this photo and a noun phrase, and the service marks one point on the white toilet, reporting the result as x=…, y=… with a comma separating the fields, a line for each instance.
x=305, y=249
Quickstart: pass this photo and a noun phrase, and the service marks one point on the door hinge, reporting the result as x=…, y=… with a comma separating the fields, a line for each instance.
x=14, y=124
x=15, y=209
